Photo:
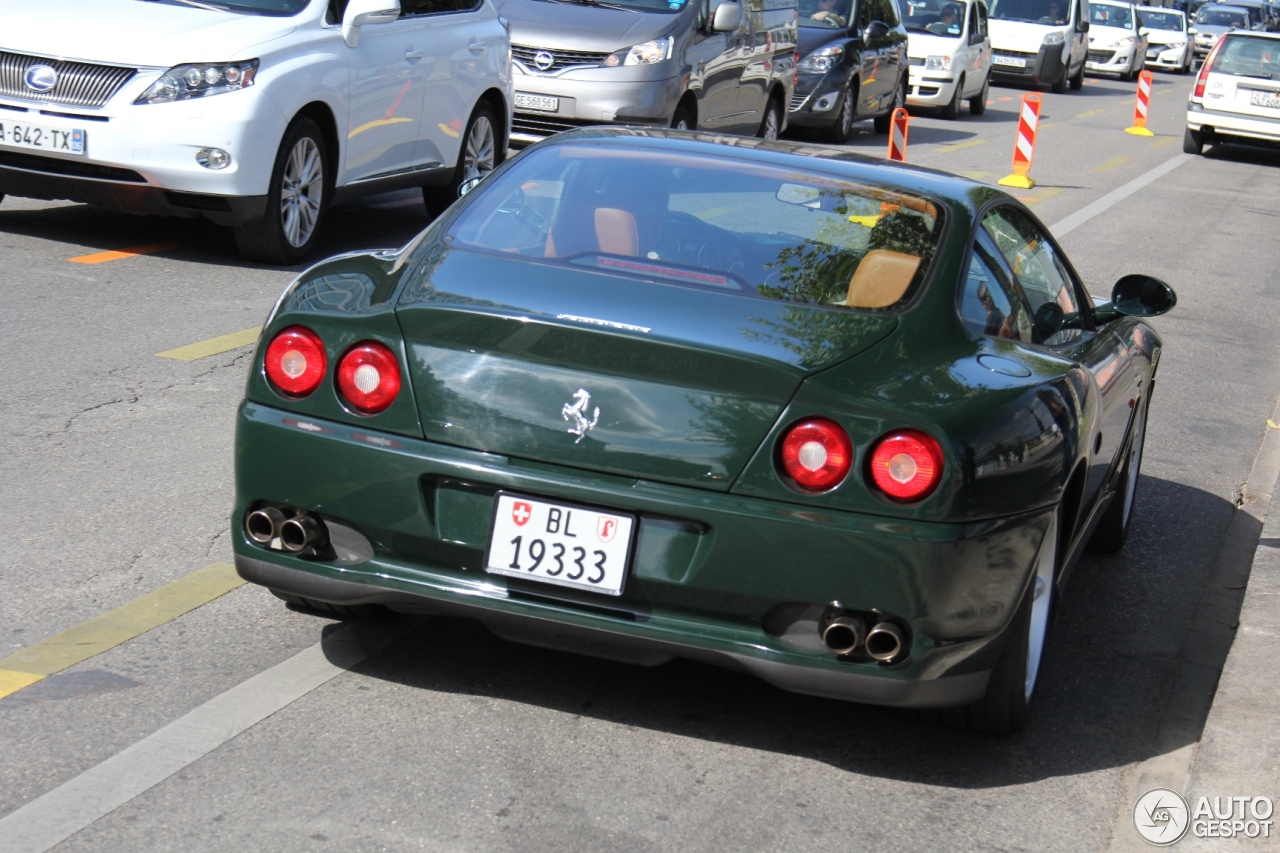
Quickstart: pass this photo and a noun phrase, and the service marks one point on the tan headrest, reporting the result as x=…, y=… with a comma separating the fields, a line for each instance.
x=881, y=279
x=616, y=232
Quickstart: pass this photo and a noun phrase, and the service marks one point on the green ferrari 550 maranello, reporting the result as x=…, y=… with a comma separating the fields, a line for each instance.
x=843, y=424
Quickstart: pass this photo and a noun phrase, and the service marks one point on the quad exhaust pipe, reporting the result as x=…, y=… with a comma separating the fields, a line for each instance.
x=845, y=632
x=297, y=533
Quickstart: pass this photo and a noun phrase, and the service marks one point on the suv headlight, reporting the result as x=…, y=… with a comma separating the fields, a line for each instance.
x=937, y=63
x=821, y=61
x=1052, y=38
x=183, y=82
x=649, y=53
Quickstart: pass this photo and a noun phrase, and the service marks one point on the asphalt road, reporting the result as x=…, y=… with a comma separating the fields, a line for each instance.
x=115, y=480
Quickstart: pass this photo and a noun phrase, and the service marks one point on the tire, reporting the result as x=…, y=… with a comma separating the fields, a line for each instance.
x=477, y=157
x=1077, y=82
x=978, y=105
x=884, y=122
x=1011, y=692
x=296, y=199
x=1135, y=71
x=839, y=131
x=1059, y=86
x=683, y=119
x=1192, y=142
x=771, y=123
x=1188, y=63
x=952, y=110
x=1112, y=531
x=343, y=611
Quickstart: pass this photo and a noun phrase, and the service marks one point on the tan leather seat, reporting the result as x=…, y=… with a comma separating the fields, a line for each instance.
x=881, y=279
x=616, y=233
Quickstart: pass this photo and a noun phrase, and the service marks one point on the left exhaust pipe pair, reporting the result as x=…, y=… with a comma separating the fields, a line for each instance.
x=296, y=533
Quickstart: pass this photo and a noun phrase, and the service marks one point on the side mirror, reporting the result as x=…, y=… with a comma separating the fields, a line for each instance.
x=367, y=12
x=1193, y=32
x=1139, y=296
x=1082, y=27
x=876, y=32
x=468, y=185
x=727, y=17
x=1144, y=32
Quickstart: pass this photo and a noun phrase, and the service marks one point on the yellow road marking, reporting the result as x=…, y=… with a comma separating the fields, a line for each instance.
x=1091, y=113
x=131, y=252
x=968, y=143
x=1041, y=195
x=1160, y=143
x=1113, y=163
x=89, y=639
x=213, y=346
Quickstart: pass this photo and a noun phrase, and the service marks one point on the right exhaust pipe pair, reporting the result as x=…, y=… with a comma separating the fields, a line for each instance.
x=296, y=533
x=843, y=633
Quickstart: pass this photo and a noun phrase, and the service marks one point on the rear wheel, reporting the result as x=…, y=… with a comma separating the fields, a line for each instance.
x=978, y=105
x=952, y=110
x=841, y=129
x=1007, y=704
x=884, y=122
x=1192, y=142
x=771, y=124
x=296, y=199
x=1113, y=529
x=478, y=157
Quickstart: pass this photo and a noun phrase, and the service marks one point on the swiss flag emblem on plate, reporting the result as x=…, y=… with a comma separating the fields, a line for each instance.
x=521, y=512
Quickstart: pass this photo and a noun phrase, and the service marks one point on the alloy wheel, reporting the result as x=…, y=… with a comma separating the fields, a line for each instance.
x=301, y=191
x=479, y=156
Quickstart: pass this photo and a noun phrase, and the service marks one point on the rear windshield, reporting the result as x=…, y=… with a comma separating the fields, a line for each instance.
x=714, y=223
x=1162, y=20
x=1247, y=56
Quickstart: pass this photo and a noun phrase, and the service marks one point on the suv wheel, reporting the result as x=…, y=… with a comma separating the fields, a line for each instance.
x=295, y=200
x=883, y=123
x=478, y=157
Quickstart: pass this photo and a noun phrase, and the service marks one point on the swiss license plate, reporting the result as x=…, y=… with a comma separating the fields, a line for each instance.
x=1011, y=61
x=537, y=102
x=565, y=544
x=38, y=137
x=1270, y=100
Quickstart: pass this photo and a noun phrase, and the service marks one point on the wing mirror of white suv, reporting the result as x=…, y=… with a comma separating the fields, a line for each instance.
x=362, y=12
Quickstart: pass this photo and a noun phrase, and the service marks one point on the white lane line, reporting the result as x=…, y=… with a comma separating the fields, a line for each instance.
x=52, y=818
x=1089, y=211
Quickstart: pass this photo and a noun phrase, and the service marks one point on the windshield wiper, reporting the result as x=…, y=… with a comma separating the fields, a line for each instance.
x=208, y=7
x=602, y=4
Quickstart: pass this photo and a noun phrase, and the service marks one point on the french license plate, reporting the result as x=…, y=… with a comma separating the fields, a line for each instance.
x=1153, y=54
x=38, y=137
x=1270, y=100
x=564, y=544
x=537, y=102
x=1012, y=61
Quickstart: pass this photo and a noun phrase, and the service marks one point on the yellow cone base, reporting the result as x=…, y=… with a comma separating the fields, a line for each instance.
x=1022, y=182
x=1138, y=131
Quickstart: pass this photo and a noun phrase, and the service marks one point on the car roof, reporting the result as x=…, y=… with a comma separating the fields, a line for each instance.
x=1223, y=7
x=1239, y=34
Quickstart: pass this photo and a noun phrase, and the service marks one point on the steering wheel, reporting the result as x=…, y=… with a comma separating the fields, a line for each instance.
x=688, y=240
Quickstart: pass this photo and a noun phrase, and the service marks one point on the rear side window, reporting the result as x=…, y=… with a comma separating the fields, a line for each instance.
x=989, y=304
x=1038, y=271
x=718, y=223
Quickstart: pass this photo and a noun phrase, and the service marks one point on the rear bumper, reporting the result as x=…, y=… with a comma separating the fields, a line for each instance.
x=714, y=577
x=1216, y=123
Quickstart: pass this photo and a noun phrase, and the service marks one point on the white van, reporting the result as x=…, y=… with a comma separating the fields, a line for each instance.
x=1040, y=41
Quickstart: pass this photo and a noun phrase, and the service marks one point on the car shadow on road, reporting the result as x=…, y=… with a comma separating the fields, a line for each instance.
x=1115, y=655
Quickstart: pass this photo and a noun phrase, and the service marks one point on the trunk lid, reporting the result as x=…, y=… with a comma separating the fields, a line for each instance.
x=608, y=372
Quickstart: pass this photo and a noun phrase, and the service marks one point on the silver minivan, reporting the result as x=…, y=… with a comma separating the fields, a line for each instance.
x=721, y=65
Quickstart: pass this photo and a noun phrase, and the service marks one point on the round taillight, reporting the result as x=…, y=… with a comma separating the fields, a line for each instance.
x=817, y=454
x=907, y=465
x=369, y=377
x=295, y=361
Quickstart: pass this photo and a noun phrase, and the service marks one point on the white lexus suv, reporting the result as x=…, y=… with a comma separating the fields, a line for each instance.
x=256, y=114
